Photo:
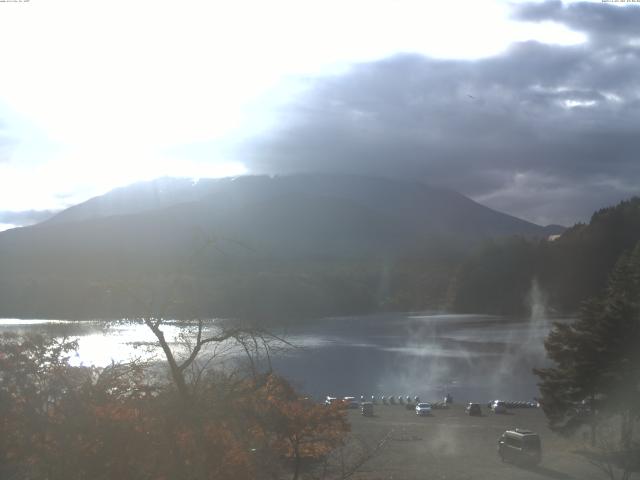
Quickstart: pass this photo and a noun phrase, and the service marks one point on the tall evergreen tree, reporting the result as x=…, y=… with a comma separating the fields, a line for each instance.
x=597, y=358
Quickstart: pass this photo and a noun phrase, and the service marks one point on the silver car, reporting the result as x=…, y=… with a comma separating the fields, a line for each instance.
x=423, y=409
x=498, y=406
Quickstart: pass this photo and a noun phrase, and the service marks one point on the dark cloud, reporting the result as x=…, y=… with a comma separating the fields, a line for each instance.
x=595, y=19
x=25, y=217
x=546, y=132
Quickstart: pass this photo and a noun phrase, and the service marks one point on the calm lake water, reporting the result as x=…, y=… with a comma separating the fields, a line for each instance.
x=472, y=357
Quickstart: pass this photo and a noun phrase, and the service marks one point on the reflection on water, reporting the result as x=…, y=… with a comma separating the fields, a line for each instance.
x=471, y=356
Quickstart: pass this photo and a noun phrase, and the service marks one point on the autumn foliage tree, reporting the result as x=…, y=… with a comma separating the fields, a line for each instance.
x=58, y=421
x=293, y=427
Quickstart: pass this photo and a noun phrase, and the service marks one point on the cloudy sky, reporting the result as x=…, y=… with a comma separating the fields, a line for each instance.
x=530, y=108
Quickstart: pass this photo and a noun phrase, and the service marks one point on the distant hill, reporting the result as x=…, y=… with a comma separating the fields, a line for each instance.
x=568, y=271
x=230, y=232
x=422, y=208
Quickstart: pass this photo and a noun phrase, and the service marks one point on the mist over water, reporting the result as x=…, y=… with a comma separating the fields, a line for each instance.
x=524, y=349
x=539, y=319
x=472, y=357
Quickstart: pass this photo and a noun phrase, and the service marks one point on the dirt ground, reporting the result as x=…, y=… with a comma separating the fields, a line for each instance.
x=454, y=446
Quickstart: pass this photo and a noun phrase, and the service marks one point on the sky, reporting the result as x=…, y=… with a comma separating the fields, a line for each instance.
x=531, y=108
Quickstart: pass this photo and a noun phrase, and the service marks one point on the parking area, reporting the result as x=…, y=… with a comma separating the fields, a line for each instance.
x=451, y=445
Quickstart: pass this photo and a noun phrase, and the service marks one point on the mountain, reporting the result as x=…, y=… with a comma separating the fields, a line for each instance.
x=502, y=276
x=234, y=230
x=429, y=209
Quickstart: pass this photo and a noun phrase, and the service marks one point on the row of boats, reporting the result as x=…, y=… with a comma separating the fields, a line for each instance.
x=385, y=400
x=353, y=402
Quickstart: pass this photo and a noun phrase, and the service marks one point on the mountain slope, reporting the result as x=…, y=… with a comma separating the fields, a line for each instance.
x=500, y=278
x=235, y=230
x=430, y=208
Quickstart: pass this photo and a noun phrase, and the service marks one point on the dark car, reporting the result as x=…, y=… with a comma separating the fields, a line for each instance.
x=351, y=402
x=473, y=409
x=520, y=446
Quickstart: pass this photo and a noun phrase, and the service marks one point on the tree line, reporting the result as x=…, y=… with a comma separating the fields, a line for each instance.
x=497, y=278
x=273, y=290
x=594, y=382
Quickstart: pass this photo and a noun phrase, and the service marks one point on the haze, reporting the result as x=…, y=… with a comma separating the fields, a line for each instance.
x=529, y=108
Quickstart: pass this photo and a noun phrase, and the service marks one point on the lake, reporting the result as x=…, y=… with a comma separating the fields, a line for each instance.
x=472, y=357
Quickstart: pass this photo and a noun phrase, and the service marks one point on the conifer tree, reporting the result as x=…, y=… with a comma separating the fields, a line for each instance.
x=596, y=372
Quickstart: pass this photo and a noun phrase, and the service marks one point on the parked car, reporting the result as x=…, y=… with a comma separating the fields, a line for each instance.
x=351, y=402
x=367, y=409
x=498, y=406
x=520, y=446
x=583, y=409
x=473, y=409
x=423, y=409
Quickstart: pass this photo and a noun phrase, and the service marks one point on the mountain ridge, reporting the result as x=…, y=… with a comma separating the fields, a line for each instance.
x=320, y=229
x=143, y=194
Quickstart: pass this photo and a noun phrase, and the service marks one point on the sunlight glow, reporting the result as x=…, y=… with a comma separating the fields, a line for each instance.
x=96, y=95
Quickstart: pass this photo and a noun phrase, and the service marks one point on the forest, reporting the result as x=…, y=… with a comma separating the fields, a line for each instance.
x=494, y=277
x=574, y=267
